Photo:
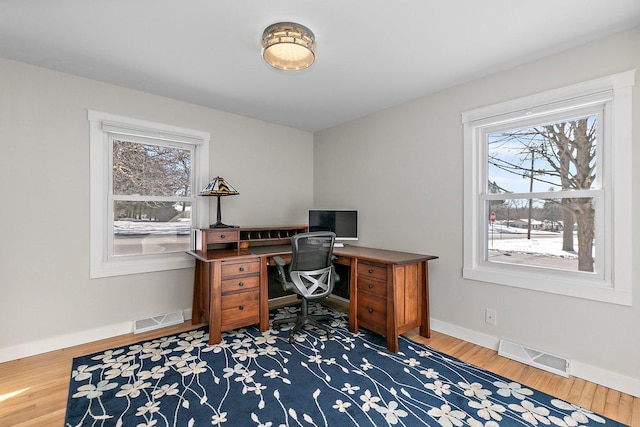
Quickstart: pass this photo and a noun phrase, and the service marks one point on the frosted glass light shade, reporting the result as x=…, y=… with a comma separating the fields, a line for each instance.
x=288, y=46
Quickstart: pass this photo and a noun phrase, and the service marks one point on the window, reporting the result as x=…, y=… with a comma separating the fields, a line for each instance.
x=540, y=211
x=143, y=204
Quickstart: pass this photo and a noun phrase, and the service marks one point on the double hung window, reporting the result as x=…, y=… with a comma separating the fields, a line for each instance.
x=142, y=194
x=546, y=207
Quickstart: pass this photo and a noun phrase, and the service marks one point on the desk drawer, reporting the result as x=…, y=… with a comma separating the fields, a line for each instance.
x=374, y=287
x=372, y=271
x=222, y=236
x=240, y=268
x=372, y=313
x=241, y=307
x=240, y=284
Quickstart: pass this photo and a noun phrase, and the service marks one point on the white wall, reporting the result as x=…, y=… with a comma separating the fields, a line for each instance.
x=47, y=300
x=403, y=170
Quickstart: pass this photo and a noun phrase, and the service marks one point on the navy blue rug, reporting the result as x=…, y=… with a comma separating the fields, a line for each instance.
x=259, y=379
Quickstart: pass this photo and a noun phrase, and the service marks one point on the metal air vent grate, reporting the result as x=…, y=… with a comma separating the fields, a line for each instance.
x=539, y=359
x=160, y=321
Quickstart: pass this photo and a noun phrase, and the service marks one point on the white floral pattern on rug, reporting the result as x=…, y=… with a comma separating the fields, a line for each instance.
x=259, y=379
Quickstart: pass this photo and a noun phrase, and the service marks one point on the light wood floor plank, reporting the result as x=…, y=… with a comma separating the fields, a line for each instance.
x=610, y=403
x=587, y=395
x=576, y=390
x=635, y=412
x=599, y=399
x=626, y=406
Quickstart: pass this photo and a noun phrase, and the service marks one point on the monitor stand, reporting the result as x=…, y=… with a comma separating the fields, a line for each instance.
x=338, y=244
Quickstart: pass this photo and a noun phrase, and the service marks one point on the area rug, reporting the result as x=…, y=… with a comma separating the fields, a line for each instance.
x=259, y=379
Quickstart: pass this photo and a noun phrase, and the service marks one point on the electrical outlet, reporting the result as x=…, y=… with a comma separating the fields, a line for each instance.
x=490, y=316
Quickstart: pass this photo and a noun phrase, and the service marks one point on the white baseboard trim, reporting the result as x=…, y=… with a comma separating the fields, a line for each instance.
x=610, y=379
x=63, y=341
x=474, y=337
x=594, y=374
x=59, y=342
x=614, y=380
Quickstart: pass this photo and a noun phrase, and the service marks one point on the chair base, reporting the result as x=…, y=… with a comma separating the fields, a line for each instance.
x=303, y=319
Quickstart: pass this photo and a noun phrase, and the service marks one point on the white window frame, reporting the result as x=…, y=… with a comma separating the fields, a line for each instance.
x=102, y=128
x=613, y=283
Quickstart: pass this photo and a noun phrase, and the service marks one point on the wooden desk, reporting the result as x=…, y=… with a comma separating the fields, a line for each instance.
x=389, y=290
x=229, y=291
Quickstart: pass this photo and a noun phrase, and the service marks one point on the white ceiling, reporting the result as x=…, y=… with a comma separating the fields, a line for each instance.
x=371, y=54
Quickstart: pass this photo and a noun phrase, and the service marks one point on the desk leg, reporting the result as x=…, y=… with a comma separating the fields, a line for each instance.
x=425, y=322
x=392, y=342
x=196, y=307
x=353, y=296
x=264, y=294
x=393, y=289
x=215, y=303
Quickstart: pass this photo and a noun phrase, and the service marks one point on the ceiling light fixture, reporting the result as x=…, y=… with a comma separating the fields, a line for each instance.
x=288, y=46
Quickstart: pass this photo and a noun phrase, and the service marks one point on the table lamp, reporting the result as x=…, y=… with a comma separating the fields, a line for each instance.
x=218, y=187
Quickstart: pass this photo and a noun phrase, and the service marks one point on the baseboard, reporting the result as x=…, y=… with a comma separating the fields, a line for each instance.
x=474, y=337
x=594, y=374
x=613, y=380
x=63, y=341
x=69, y=340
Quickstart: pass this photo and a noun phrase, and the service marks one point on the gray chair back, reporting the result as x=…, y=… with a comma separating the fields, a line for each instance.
x=311, y=269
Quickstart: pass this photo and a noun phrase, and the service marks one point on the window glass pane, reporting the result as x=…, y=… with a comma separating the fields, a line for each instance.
x=142, y=228
x=151, y=170
x=552, y=233
x=554, y=156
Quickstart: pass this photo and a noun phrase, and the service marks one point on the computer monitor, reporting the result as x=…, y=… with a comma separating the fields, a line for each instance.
x=342, y=222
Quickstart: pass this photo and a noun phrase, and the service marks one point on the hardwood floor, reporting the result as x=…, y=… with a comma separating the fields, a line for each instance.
x=33, y=390
x=613, y=404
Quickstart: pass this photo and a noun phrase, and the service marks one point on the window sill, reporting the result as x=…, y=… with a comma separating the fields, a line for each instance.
x=589, y=288
x=137, y=266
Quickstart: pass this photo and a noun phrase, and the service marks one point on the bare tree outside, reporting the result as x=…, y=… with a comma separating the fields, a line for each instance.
x=543, y=158
x=144, y=178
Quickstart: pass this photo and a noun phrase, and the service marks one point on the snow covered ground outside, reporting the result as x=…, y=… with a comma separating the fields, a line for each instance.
x=512, y=239
x=132, y=228
x=550, y=246
x=501, y=238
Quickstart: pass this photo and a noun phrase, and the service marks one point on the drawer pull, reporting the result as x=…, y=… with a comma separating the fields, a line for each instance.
x=370, y=271
x=370, y=310
x=222, y=236
x=370, y=286
x=241, y=269
x=241, y=307
x=241, y=284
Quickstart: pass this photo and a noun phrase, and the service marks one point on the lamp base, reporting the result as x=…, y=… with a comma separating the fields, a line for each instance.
x=221, y=225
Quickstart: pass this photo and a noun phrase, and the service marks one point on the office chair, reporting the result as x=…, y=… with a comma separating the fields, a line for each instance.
x=311, y=275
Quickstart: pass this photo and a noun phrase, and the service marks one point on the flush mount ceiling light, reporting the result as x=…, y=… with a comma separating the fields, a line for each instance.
x=288, y=46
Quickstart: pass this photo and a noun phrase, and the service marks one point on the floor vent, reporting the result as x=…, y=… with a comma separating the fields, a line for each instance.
x=539, y=359
x=150, y=323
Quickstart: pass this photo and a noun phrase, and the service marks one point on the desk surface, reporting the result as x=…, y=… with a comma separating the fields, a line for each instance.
x=385, y=255
x=360, y=252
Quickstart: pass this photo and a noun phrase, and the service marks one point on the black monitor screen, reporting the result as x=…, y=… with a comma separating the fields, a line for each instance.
x=343, y=223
